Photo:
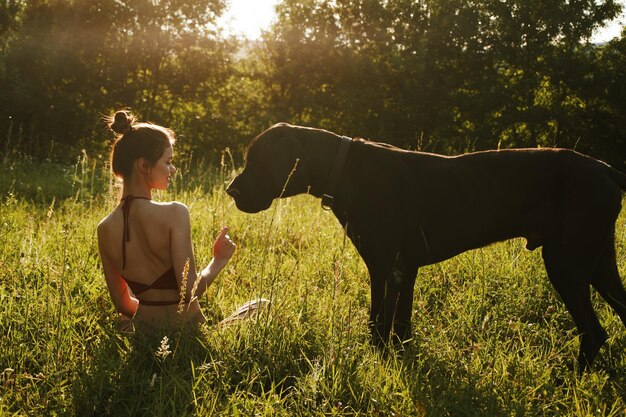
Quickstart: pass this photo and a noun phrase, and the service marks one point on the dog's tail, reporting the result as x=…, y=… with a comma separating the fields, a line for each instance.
x=619, y=178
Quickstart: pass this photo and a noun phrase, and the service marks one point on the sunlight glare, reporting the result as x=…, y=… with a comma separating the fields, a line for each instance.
x=248, y=18
x=612, y=29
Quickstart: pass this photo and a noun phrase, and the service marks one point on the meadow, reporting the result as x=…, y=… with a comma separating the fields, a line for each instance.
x=491, y=337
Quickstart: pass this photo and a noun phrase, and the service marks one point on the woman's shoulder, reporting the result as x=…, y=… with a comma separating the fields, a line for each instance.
x=175, y=208
x=173, y=211
x=106, y=222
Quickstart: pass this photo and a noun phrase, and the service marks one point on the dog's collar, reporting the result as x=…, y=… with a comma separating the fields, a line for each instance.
x=335, y=173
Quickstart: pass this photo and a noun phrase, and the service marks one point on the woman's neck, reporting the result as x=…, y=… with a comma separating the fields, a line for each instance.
x=136, y=188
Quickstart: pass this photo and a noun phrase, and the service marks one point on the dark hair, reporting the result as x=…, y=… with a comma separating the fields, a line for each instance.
x=134, y=141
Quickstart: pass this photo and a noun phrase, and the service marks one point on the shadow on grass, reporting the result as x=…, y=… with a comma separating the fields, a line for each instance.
x=203, y=371
x=137, y=375
x=445, y=388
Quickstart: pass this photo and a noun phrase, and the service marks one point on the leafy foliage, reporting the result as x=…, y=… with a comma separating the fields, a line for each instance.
x=449, y=75
x=438, y=75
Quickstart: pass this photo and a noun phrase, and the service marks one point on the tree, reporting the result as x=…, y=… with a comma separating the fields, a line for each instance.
x=446, y=75
x=438, y=75
x=65, y=62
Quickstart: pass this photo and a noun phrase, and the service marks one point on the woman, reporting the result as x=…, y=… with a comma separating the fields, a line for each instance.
x=145, y=245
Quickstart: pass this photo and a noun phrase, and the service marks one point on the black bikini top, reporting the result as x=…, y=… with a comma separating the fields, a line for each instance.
x=167, y=280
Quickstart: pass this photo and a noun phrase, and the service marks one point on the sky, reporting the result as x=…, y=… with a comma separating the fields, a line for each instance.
x=611, y=30
x=248, y=17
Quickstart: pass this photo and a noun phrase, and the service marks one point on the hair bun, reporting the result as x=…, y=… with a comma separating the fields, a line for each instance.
x=121, y=122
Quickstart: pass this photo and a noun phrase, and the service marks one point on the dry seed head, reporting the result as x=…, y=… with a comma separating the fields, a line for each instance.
x=183, y=287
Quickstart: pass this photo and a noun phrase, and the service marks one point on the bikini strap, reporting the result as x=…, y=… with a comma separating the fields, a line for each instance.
x=126, y=202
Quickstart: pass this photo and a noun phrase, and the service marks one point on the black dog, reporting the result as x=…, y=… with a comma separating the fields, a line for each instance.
x=404, y=209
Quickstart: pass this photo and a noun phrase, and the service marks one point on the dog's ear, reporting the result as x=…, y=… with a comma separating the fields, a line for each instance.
x=288, y=160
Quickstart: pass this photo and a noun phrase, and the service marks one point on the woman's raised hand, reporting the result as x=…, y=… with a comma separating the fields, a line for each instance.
x=224, y=247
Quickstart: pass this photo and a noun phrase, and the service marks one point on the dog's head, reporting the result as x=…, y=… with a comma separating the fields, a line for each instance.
x=274, y=167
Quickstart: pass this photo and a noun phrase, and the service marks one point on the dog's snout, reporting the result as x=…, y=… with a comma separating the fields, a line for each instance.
x=232, y=191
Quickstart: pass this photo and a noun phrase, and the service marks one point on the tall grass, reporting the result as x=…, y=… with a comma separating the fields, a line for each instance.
x=490, y=335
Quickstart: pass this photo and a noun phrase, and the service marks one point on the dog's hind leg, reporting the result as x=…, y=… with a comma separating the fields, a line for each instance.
x=569, y=274
x=607, y=282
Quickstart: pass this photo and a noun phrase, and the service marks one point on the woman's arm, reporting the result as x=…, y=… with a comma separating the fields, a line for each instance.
x=182, y=252
x=223, y=249
x=118, y=289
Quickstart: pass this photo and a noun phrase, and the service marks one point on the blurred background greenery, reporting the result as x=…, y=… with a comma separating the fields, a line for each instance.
x=445, y=76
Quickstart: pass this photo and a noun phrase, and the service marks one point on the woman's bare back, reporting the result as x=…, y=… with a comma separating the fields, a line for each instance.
x=145, y=246
x=151, y=227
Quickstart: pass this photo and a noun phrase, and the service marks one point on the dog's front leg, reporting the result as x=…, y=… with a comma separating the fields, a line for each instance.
x=392, y=281
x=403, y=276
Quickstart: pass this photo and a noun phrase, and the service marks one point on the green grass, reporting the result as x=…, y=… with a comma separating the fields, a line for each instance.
x=490, y=336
